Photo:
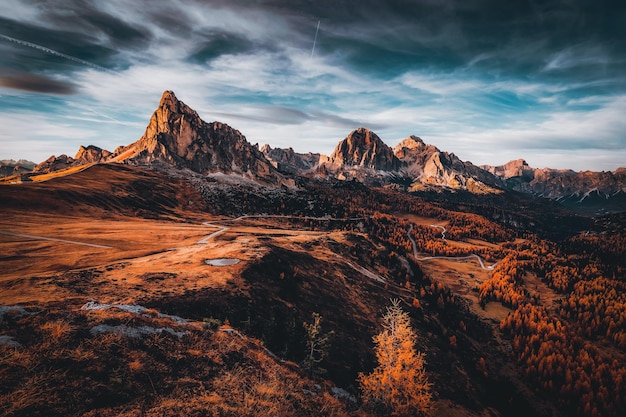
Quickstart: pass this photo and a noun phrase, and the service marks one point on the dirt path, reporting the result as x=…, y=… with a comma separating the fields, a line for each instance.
x=454, y=258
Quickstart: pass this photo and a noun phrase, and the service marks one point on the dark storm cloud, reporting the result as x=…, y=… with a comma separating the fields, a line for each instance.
x=37, y=84
x=394, y=36
x=535, y=72
x=214, y=44
x=84, y=17
x=513, y=38
x=19, y=55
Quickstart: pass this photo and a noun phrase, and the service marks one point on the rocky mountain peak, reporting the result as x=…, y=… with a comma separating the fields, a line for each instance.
x=412, y=142
x=175, y=118
x=363, y=148
x=512, y=169
x=177, y=136
x=289, y=161
x=91, y=154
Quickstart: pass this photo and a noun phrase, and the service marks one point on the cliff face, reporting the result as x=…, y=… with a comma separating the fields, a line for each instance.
x=363, y=148
x=178, y=137
x=428, y=166
x=289, y=161
x=559, y=183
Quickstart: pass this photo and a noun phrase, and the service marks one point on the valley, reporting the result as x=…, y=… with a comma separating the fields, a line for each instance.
x=181, y=277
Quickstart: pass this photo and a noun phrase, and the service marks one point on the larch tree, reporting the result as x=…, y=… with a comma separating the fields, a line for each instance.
x=317, y=345
x=399, y=384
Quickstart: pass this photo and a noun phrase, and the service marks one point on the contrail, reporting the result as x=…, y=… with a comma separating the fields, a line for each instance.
x=315, y=40
x=53, y=52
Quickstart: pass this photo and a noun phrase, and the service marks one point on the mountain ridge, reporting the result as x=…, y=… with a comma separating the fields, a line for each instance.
x=176, y=137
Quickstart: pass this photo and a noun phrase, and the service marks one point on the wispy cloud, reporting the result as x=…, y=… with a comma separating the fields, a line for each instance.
x=52, y=52
x=483, y=79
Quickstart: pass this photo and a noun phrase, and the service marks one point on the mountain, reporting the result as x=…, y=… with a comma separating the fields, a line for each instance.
x=135, y=286
x=427, y=166
x=176, y=136
x=585, y=190
x=362, y=155
x=85, y=155
x=10, y=167
x=289, y=161
x=362, y=148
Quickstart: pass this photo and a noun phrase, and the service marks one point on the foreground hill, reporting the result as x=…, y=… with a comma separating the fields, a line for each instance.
x=159, y=283
x=500, y=337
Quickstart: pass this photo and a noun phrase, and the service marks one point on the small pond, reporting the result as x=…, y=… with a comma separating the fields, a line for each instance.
x=222, y=261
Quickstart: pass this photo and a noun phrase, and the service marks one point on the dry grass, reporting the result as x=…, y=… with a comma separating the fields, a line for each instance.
x=59, y=173
x=62, y=369
x=58, y=331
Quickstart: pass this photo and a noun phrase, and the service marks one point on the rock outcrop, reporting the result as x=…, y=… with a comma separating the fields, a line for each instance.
x=289, y=161
x=516, y=168
x=54, y=163
x=10, y=167
x=362, y=148
x=428, y=166
x=176, y=136
x=91, y=155
x=85, y=155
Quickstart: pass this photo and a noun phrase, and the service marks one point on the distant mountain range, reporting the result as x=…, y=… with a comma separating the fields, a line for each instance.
x=176, y=137
x=10, y=167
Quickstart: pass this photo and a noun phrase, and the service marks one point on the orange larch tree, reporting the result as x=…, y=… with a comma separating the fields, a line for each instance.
x=399, y=385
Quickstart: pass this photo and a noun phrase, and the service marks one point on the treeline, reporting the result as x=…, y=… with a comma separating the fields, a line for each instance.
x=560, y=346
x=572, y=349
x=581, y=378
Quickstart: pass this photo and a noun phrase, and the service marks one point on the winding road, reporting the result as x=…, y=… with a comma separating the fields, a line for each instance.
x=369, y=274
x=223, y=229
x=454, y=258
x=443, y=230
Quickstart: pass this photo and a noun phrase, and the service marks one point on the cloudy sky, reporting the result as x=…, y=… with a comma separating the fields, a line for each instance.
x=489, y=80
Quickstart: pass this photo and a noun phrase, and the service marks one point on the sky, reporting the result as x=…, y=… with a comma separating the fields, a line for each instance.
x=488, y=80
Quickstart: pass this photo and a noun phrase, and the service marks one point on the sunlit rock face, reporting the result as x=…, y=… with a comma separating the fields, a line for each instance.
x=363, y=148
x=428, y=166
x=177, y=136
x=560, y=183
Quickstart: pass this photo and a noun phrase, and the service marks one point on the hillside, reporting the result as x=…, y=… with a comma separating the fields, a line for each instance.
x=177, y=276
x=345, y=269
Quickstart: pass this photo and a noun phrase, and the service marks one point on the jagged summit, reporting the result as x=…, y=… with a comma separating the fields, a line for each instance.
x=514, y=168
x=178, y=137
x=289, y=161
x=363, y=148
x=91, y=154
x=412, y=142
x=565, y=185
